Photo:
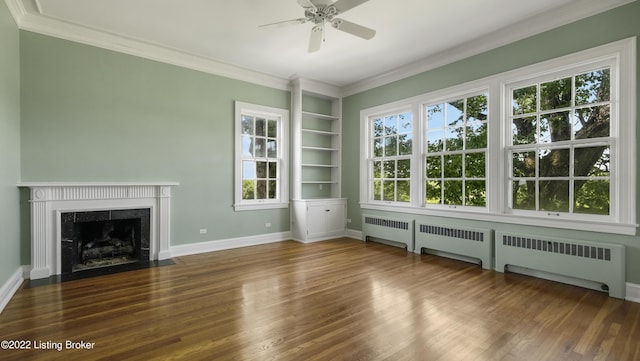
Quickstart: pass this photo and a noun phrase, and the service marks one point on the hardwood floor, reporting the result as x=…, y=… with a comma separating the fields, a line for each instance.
x=340, y=299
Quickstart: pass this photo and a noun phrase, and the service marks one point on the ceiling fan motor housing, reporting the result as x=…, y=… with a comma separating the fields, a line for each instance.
x=321, y=15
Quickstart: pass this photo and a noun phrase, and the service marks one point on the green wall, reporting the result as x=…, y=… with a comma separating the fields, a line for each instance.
x=617, y=24
x=90, y=114
x=9, y=145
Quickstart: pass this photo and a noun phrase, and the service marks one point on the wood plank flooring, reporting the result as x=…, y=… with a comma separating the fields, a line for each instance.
x=336, y=300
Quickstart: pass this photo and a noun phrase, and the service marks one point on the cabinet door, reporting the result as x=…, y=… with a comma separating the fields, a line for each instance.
x=316, y=219
x=335, y=218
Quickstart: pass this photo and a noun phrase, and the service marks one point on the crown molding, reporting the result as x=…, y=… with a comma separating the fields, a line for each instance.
x=17, y=10
x=534, y=25
x=27, y=16
x=317, y=88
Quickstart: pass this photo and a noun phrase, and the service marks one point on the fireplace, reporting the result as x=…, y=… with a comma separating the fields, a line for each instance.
x=100, y=239
x=77, y=227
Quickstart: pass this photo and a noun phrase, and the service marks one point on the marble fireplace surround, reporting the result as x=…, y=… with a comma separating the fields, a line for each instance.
x=50, y=199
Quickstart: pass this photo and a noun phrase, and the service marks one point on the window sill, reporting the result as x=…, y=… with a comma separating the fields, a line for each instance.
x=259, y=206
x=578, y=225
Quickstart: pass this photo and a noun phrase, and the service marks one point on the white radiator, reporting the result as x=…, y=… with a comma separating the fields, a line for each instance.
x=592, y=261
x=468, y=242
x=388, y=229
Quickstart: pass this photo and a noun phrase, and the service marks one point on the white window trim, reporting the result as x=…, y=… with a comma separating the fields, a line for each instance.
x=462, y=91
x=366, y=149
x=616, y=145
x=369, y=157
x=624, y=51
x=283, y=154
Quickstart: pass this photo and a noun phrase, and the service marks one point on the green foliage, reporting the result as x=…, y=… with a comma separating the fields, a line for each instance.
x=475, y=193
x=248, y=189
x=592, y=197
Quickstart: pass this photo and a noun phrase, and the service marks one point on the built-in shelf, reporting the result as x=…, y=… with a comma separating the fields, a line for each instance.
x=319, y=182
x=319, y=165
x=318, y=211
x=320, y=115
x=319, y=132
x=320, y=149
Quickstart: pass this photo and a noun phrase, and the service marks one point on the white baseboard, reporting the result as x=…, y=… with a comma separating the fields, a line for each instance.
x=633, y=292
x=15, y=281
x=219, y=245
x=352, y=233
x=321, y=238
x=10, y=287
x=26, y=272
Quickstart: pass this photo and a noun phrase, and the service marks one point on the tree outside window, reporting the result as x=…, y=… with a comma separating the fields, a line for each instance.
x=561, y=144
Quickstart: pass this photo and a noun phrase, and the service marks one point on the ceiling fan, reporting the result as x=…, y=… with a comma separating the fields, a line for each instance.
x=323, y=12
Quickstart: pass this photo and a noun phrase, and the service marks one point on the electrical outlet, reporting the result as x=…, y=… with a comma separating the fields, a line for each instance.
x=348, y=220
x=203, y=231
x=267, y=225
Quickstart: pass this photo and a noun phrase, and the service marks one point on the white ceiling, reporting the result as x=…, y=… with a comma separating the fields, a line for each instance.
x=411, y=34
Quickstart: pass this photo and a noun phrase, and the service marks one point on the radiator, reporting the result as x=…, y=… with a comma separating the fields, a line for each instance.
x=468, y=242
x=388, y=229
x=591, y=261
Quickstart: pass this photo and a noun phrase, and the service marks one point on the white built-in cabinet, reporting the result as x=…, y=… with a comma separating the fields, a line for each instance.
x=318, y=212
x=319, y=219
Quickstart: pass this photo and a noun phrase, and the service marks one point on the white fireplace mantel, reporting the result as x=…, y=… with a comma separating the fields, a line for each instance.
x=50, y=199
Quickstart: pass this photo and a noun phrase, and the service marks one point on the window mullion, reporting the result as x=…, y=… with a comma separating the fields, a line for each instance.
x=418, y=156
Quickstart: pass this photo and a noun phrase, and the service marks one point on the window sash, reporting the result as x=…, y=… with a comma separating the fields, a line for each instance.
x=461, y=122
x=539, y=144
x=261, y=175
x=391, y=148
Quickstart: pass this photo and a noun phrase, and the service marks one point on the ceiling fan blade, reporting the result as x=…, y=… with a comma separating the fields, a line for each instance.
x=286, y=22
x=353, y=29
x=316, y=38
x=344, y=5
x=307, y=4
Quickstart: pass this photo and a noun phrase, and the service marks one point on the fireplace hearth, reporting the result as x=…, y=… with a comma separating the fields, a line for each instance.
x=86, y=201
x=99, y=239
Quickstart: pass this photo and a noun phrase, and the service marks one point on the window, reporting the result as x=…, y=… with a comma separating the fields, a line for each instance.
x=456, y=152
x=551, y=144
x=392, y=143
x=561, y=145
x=261, y=157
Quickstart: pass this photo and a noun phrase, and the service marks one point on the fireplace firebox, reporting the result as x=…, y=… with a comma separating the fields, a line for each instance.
x=100, y=239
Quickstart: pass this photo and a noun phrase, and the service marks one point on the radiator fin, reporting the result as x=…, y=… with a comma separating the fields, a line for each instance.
x=566, y=248
x=390, y=223
x=452, y=232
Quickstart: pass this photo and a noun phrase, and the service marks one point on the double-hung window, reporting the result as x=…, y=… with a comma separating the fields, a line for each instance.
x=551, y=144
x=561, y=148
x=261, y=157
x=391, y=147
x=456, y=151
